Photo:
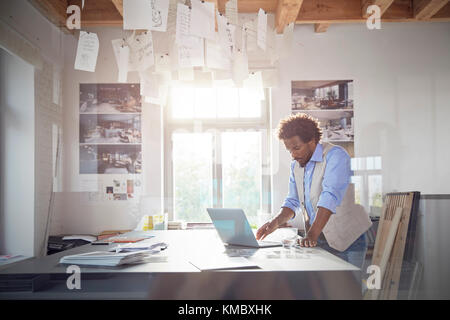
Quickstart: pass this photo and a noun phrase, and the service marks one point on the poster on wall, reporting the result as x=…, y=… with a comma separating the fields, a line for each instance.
x=110, y=140
x=331, y=102
x=110, y=98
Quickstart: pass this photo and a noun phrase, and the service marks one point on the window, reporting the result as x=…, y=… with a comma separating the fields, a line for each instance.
x=368, y=183
x=216, y=148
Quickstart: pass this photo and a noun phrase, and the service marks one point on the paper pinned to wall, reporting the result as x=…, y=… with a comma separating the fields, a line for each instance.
x=262, y=29
x=249, y=36
x=240, y=68
x=216, y=57
x=124, y=57
x=162, y=63
x=136, y=14
x=160, y=13
x=226, y=34
x=87, y=52
x=149, y=85
x=255, y=84
x=182, y=34
x=231, y=12
x=191, y=57
x=141, y=51
x=202, y=22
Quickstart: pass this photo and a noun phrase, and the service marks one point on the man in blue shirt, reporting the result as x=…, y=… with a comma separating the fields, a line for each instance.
x=301, y=136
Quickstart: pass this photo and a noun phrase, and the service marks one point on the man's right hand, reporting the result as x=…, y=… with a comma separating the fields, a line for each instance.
x=279, y=221
x=266, y=229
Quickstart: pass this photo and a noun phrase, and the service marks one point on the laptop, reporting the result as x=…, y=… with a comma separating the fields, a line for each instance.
x=233, y=228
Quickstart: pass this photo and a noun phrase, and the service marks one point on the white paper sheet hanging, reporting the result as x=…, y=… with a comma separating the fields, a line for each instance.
x=262, y=29
x=191, y=57
x=124, y=57
x=231, y=12
x=182, y=34
x=162, y=63
x=249, y=35
x=202, y=22
x=141, y=51
x=160, y=13
x=254, y=83
x=240, y=68
x=226, y=34
x=149, y=85
x=137, y=14
x=87, y=52
x=216, y=58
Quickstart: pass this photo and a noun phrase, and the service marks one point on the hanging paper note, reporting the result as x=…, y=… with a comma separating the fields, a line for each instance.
x=141, y=51
x=249, y=35
x=124, y=56
x=162, y=63
x=160, y=12
x=182, y=35
x=202, y=22
x=226, y=34
x=216, y=57
x=255, y=84
x=240, y=68
x=149, y=85
x=231, y=12
x=87, y=52
x=191, y=57
x=137, y=14
x=262, y=29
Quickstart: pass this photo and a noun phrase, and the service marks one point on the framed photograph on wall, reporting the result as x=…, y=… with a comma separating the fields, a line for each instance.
x=331, y=102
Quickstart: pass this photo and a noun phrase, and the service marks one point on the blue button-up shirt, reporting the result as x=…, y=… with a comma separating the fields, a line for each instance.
x=335, y=181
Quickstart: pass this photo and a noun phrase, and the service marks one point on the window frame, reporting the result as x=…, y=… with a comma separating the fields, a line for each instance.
x=216, y=126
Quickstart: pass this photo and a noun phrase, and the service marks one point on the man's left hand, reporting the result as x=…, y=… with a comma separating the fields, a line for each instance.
x=308, y=241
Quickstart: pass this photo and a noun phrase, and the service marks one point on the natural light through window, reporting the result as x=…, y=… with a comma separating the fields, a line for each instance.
x=216, y=103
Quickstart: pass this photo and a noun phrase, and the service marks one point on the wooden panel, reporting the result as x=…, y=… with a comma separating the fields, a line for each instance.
x=249, y=6
x=321, y=27
x=119, y=6
x=443, y=14
x=425, y=9
x=53, y=10
x=383, y=4
x=287, y=12
x=99, y=13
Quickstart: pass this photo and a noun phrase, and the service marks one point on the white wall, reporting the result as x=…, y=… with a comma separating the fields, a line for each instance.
x=28, y=30
x=402, y=98
x=79, y=214
x=17, y=214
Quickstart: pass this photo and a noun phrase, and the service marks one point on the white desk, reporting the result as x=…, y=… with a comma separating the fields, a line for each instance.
x=310, y=273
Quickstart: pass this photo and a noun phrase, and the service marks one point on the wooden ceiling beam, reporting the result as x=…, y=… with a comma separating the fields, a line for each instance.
x=426, y=9
x=321, y=27
x=53, y=10
x=287, y=12
x=119, y=6
x=349, y=11
x=383, y=4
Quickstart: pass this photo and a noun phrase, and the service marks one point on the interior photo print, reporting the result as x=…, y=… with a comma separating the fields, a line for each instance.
x=110, y=98
x=110, y=128
x=331, y=102
x=218, y=157
x=110, y=159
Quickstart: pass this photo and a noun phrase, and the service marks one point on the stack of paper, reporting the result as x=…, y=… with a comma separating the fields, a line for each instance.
x=134, y=247
x=104, y=258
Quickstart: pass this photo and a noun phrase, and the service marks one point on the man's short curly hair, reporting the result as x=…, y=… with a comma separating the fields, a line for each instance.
x=302, y=125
